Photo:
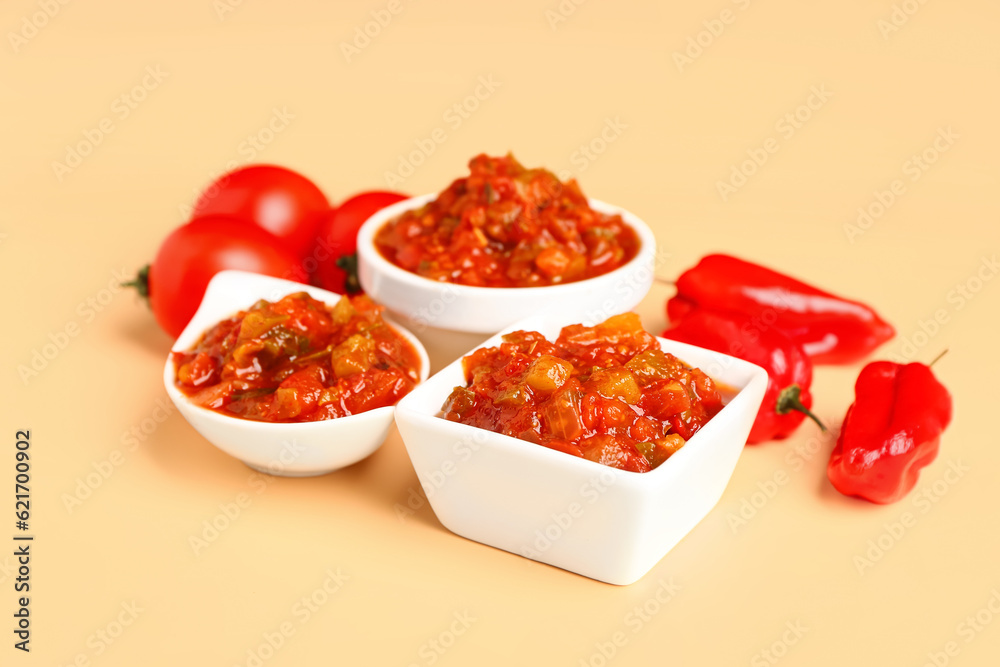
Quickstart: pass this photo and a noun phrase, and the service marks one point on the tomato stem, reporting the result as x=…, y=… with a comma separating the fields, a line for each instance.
x=140, y=283
x=349, y=263
x=789, y=399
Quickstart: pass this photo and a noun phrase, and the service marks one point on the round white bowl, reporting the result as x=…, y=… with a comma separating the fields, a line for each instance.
x=604, y=523
x=430, y=303
x=291, y=450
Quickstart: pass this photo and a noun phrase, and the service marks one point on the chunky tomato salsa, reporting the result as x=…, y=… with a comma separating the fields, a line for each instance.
x=298, y=360
x=507, y=226
x=607, y=393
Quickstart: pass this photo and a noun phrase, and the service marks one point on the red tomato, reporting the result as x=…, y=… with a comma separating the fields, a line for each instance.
x=337, y=240
x=193, y=253
x=278, y=200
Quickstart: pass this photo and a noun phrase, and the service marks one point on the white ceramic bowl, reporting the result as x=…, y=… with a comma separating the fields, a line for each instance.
x=429, y=303
x=292, y=450
x=601, y=522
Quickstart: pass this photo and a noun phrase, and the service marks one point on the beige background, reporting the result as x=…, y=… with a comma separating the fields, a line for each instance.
x=684, y=126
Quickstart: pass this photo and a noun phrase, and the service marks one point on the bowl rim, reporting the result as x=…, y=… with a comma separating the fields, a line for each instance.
x=176, y=395
x=756, y=375
x=370, y=255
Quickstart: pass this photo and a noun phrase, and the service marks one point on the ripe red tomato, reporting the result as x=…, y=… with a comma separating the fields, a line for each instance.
x=337, y=240
x=278, y=200
x=193, y=253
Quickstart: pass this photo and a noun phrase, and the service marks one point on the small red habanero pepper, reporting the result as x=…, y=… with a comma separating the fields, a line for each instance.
x=891, y=431
x=789, y=371
x=831, y=329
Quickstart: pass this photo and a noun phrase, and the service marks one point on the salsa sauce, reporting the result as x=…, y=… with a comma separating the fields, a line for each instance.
x=507, y=226
x=606, y=393
x=298, y=360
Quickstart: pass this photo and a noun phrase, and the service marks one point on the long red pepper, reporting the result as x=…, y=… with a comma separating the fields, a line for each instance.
x=892, y=430
x=831, y=329
x=787, y=399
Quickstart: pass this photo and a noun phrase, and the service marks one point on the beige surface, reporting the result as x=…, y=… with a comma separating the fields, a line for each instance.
x=677, y=129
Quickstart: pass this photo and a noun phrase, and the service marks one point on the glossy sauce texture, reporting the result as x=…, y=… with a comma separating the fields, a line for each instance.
x=606, y=393
x=298, y=360
x=507, y=226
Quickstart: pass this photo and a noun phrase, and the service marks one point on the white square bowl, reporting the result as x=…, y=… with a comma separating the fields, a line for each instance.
x=601, y=522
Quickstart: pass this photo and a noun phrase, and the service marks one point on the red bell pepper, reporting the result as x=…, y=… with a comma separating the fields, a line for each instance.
x=831, y=329
x=892, y=430
x=789, y=371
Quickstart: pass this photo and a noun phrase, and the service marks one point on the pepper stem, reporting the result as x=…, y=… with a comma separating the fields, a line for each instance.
x=790, y=399
x=938, y=358
x=140, y=283
x=349, y=263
